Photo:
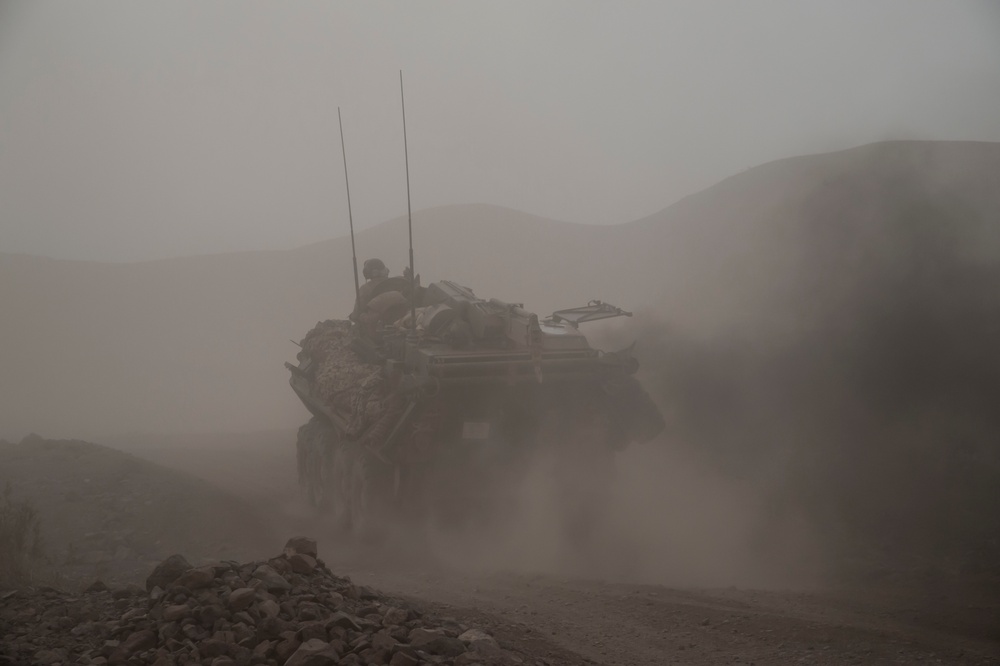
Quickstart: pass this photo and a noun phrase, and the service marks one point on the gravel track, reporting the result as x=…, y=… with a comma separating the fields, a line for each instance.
x=557, y=619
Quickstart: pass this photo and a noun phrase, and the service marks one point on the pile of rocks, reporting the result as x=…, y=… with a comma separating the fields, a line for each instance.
x=288, y=610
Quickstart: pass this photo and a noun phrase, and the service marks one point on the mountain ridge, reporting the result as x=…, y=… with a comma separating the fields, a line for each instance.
x=197, y=343
x=670, y=210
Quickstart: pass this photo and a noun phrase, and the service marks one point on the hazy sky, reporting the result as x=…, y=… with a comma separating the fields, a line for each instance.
x=137, y=130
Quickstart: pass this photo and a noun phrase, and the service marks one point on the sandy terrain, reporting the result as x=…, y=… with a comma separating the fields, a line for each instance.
x=567, y=618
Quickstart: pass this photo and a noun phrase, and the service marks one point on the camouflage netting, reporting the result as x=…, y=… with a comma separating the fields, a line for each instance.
x=350, y=387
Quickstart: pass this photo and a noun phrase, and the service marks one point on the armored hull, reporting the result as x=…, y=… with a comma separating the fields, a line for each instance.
x=439, y=411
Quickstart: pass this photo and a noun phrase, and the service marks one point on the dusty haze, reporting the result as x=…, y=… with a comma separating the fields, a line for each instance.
x=818, y=330
x=800, y=205
x=141, y=131
x=197, y=344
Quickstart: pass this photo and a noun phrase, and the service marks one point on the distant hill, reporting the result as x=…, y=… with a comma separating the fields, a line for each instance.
x=107, y=514
x=834, y=341
x=197, y=344
x=784, y=238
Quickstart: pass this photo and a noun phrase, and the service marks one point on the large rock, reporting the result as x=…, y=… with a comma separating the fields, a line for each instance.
x=403, y=659
x=240, y=599
x=284, y=650
x=481, y=643
x=176, y=612
x=436, y=642
x=302, y=564
x=167, y=571
x=382, y=640
x=268, y=608
x=135, y=643
x=48, y=657
x=314, y=652
x=213, y=648
x=272, y=580
x=394, y=616
x=344, y=620
x=445, y=646
x=301, y=546
x=421, y=636
x=195, y=579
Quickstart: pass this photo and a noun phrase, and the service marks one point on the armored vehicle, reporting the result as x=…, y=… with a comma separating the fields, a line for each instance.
x=435, y=402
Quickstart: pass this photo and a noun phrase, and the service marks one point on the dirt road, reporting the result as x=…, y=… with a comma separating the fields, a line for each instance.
x=574, y=621
x=582, y=619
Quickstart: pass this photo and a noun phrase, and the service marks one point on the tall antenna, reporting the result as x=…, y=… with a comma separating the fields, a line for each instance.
x=350, y=218
x=409, y=212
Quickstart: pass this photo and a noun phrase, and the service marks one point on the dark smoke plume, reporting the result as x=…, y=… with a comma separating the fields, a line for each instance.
x=867, y=394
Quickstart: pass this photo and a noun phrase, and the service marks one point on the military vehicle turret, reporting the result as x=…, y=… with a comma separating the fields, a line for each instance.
x=434, y=407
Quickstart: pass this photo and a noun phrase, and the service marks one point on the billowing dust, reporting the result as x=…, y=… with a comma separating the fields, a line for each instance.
x=665, y=517
x=830, y=397
x=845, y=428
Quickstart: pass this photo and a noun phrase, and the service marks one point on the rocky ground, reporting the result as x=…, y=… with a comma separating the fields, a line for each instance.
x=288, y=610
x=222, y=504
x=646, y=625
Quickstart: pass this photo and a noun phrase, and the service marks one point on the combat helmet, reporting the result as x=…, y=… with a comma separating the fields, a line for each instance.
x=374, y=268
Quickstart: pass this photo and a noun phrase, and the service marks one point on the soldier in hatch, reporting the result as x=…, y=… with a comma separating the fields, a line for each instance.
x=375, y=272
x=376, y=305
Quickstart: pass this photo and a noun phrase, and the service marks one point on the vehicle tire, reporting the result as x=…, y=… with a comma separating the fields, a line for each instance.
x=366, y=491
x=582, y=472
x=316, y=447
x=585, y=490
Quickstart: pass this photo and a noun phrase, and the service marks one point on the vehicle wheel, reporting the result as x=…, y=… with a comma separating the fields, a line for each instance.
x=316, y=446
x=582, y=475
x=366, y=491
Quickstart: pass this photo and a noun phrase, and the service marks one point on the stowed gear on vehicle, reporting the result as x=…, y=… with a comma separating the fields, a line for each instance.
x=438, y=415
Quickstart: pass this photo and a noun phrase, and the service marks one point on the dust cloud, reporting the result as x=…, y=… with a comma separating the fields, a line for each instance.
x=829, y=382
x=843, y=430
x=860, y=406
x=661, y=512
x=666, y=519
